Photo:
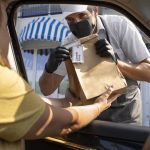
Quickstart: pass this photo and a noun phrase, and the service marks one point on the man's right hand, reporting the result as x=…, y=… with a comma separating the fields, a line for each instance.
x=104, y=49
x=72, y=99
x=56, y=57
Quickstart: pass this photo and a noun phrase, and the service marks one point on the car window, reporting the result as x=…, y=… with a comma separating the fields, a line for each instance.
x=36, y=47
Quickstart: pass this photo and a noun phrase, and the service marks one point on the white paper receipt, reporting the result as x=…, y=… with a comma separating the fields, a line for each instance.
x=77, y=54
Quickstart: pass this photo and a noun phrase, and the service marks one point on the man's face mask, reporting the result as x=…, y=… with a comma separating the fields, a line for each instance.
x=82, y=28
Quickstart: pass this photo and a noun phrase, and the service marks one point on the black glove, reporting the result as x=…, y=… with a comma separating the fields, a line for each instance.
x=56, y=57
x=104, y=49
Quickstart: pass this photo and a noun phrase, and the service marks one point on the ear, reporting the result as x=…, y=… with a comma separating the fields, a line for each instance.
x=96, y=10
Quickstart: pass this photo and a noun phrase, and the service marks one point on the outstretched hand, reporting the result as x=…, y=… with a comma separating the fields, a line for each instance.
x=103, y=99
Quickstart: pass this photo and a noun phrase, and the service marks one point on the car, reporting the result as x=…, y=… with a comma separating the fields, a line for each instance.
x=100, y=135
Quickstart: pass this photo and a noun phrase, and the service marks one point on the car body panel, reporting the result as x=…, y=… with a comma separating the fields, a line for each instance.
x=139, y=11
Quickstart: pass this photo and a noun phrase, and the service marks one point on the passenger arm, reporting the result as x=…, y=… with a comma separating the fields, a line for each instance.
x=58, y=121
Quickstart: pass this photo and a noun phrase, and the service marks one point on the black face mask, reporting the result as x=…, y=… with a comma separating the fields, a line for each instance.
x=82, y=28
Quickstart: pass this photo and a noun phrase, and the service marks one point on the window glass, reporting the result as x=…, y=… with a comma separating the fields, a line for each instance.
x=34, y=32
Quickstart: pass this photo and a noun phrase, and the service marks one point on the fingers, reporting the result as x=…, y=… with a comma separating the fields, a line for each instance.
x=103, y=52
x=102, y=47
x=62, y=57
x=107, y=93
x=63, y=49
x=101, y=43
x=102, y=100
x=62, y=53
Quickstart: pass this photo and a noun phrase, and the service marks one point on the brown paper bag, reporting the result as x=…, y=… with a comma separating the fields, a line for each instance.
x=90, y=79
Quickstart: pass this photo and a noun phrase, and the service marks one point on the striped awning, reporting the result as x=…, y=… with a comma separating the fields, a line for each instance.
x=43, y=33
x=39, y=51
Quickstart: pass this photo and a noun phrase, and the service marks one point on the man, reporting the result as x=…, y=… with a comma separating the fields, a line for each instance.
x=132, y=59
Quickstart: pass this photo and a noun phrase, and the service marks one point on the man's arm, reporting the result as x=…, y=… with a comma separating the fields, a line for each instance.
x=136, y=71
x=49, y=82
x=135, y=51
x=140, y=71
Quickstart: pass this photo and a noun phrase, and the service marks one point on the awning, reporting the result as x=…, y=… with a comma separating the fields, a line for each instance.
x=39, y=51
x=43, y=33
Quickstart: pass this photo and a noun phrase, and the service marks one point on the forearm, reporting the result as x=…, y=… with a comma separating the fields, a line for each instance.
x=57, y=122
x=139, y=71
x=49, y=82
x=78, y=116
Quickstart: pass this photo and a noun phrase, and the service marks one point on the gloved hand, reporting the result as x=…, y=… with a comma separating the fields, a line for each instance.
x=56, y=57
x=104, y=49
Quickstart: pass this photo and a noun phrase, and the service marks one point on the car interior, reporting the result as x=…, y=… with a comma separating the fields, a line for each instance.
x=29, y=57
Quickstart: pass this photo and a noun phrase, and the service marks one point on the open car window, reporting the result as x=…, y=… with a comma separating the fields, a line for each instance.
x=35, y=41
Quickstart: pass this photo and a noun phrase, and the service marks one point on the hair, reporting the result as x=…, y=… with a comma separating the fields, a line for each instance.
x=0, y=14
x=1, y=11
x=3, y=60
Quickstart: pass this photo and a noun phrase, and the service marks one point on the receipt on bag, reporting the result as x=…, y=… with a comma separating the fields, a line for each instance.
x=77, y=54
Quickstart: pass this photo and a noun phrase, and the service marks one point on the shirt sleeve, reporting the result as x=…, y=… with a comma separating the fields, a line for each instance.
x=20, y=107
x=131, y=41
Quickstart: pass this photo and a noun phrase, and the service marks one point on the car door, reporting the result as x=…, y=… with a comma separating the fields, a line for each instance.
x=98, y=134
